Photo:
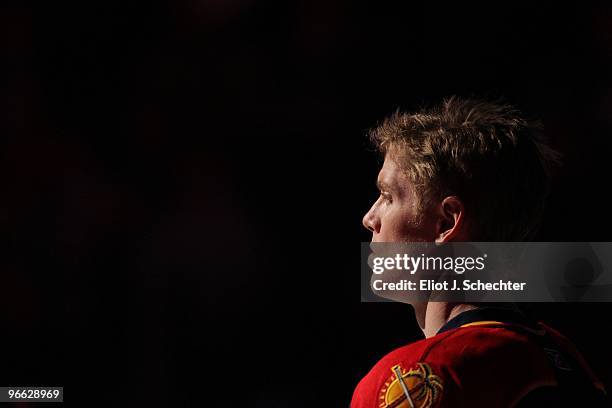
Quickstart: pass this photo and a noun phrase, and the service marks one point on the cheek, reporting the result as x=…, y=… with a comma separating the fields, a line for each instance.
x=402, y=224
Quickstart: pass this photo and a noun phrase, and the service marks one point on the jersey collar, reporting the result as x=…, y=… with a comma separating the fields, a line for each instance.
x=490, y=315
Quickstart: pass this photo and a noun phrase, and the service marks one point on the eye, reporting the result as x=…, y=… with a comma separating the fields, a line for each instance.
x=386, y=196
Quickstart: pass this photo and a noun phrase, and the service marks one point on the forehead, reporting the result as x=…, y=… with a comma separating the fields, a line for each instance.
x=392, y=175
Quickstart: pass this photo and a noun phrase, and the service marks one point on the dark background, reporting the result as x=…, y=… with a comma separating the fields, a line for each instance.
x=183, y=183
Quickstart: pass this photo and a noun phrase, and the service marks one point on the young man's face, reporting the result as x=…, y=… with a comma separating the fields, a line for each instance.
x=395, y=216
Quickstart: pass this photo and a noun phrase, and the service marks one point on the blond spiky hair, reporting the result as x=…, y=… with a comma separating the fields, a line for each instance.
x=482, y=151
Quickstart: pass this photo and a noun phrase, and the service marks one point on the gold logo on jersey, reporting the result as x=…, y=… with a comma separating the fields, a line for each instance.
x=415, y=388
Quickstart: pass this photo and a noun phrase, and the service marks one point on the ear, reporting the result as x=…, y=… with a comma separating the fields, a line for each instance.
x=450, y=225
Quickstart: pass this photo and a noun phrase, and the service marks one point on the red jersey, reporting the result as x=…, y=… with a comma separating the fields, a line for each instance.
x=488, y=357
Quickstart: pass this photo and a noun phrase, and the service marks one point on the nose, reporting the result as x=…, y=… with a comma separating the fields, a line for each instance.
x=370, y=221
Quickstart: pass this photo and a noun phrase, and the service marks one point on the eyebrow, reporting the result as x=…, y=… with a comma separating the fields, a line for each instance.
x=382, y=186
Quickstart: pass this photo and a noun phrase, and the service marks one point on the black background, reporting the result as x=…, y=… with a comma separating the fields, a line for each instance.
x=184, y=181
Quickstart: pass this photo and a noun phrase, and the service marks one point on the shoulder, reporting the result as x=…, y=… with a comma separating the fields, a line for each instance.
x=463, y=364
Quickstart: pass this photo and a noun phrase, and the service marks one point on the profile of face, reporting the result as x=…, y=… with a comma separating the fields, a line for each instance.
x=396, y=216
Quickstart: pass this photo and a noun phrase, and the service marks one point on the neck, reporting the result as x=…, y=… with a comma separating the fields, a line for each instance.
x=438, y=313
